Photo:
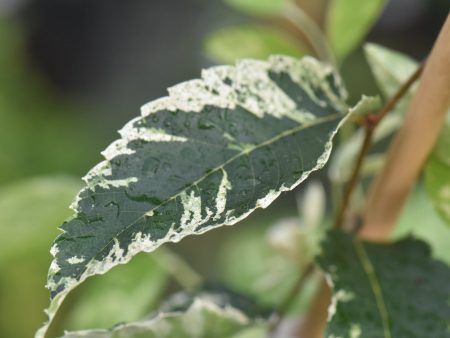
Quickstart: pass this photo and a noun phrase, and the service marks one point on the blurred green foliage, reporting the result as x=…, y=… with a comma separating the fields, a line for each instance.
x=126, y=293
x=39, y=132
x=437, y=173
x=348, y=22
x=259, y=7
x=250, y=41
x=421, y=220
x=30, y=209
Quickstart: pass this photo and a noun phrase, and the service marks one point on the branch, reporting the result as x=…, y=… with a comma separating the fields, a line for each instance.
x=413, y=143
x=370, y=123
x=411, y=147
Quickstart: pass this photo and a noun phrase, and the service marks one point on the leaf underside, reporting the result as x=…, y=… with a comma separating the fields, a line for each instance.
x=205, y=156
x=390, y=290
x=203, y=316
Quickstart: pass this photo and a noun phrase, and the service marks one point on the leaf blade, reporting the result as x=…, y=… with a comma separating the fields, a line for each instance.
x=207, y=155
x=361, y=14
x=204, y=315
x=373, y=284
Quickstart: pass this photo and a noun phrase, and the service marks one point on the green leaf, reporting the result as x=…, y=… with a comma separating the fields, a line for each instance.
x=207, y=155
x=203, y=316
x=385, y=290
x=274, y=258
x=391, y=69
x=259, y=7
x=250, y=41
x=29, y=210
x=348, y=22
x=345, y=155
x=417, y=212
x=437, y=173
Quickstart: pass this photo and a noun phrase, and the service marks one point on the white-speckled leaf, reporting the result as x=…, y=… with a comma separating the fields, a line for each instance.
x=385, y=290
x=207, y=155
x=204, y=316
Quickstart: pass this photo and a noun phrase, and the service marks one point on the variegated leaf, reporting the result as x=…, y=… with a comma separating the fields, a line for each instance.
x=385, y=290
x=207, y=155
x=203, y=316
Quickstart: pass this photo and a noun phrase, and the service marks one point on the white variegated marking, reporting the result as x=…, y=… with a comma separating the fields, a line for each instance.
x=114, y=257
x=193, y=322
x=130, y=132
x=251, y=88
x=355, y=330
x=76, y=260
x=118, y=147
x=339, y=296
x=310, y=74
x=221, y=198
x=54, y=267
x=192, y=214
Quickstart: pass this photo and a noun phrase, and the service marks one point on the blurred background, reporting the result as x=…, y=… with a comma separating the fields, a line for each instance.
x=73, y=72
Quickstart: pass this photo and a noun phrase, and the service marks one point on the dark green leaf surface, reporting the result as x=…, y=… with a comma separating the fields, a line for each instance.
x=206, y=315
x=385, y=291
x=207, y=155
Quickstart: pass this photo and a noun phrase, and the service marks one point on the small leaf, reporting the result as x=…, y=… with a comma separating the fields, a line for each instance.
x=250, y=41
x=259, y=7
x=391, y=69
x=203, y=316
x=345, y=155
x=437, y=173
x=348, y=22
x=418, y=211
x=207, y=155
x=367, y=105
x=29, y=209
x=385, y=290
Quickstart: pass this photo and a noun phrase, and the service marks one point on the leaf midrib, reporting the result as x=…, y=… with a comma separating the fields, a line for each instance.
x=375, y=286
x=274, y=139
